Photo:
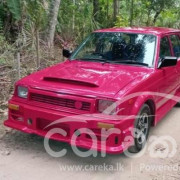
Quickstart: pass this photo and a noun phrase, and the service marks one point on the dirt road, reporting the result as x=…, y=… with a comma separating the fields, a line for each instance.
x=23, y=157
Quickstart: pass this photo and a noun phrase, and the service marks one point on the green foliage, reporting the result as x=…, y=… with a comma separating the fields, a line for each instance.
x=2, y=61
x=15, y=8
x=2, y=16
x=83, y=20
x=4, y=45
x=6, y=51
x=122, y=21
x=1, y=24
x=76, y=18
x=36, y=13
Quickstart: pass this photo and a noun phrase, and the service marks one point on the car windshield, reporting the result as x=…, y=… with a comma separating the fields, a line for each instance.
x=117, y=47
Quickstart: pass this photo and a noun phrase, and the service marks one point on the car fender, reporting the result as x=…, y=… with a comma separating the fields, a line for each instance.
x=140, y=101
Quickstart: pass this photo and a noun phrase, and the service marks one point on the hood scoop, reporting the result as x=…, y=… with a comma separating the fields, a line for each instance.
x=71, y=81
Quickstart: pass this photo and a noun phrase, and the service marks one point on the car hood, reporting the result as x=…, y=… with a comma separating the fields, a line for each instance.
x=87, y=78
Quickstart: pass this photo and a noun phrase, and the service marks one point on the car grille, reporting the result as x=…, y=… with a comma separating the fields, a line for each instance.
x=57, y=101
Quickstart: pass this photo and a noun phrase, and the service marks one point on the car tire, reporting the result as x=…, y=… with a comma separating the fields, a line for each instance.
x=177, y=104
x=142, y=127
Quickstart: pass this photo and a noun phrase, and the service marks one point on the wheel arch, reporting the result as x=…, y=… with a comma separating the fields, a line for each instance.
x=152, y=106
x=140, y=101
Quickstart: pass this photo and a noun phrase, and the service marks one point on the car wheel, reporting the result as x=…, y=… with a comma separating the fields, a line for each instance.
x=142, y=127
x=177, y=104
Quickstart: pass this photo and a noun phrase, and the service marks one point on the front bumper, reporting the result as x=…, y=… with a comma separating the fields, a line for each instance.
x=38, y=120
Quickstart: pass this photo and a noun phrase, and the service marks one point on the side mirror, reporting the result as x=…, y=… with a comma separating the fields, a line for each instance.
x=66, y=53
x=167, y=61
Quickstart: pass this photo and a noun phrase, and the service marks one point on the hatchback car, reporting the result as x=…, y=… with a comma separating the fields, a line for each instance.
x=118, y=78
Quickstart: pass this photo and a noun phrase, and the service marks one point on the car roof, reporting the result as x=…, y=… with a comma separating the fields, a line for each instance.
x=146, y=30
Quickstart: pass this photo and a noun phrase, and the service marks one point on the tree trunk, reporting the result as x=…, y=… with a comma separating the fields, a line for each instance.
x=54, y=9
x=18, y=57
x=148, y=17
x=107, y=10
x=73, y=19
x=96, y=9
x=37, y=50
x=156, y=16
x=131, y=12
x=18, y=61
x=116, y=9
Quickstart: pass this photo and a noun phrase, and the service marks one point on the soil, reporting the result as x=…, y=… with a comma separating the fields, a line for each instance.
x=23, y=156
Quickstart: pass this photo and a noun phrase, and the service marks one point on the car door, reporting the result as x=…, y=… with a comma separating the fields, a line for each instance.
x=168, y=75
x=175, y=44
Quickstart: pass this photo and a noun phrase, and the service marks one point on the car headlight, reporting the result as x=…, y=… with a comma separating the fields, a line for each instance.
x=107, y=107
x=22, y=92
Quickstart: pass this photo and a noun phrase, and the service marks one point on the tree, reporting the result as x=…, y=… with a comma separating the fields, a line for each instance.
x=116, y=9
x=155, y=8
x=131, y=12
x=15, y=8
x=96, y=9
x=36, y=22
x=54, y=9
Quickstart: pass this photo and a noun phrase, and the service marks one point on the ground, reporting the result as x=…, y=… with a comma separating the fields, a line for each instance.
x=23, y=156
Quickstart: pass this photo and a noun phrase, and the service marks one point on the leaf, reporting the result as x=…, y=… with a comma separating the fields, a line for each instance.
x=15, y=8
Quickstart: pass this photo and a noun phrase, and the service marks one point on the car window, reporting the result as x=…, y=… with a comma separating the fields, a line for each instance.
x=165, y=47
x=176, y=45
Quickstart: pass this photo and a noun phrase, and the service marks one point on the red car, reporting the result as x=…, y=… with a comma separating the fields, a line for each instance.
x=119, y=78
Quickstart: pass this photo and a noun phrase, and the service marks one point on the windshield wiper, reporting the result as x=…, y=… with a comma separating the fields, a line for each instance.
x=93, y=59
x=129, y=62
x=117, y=62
